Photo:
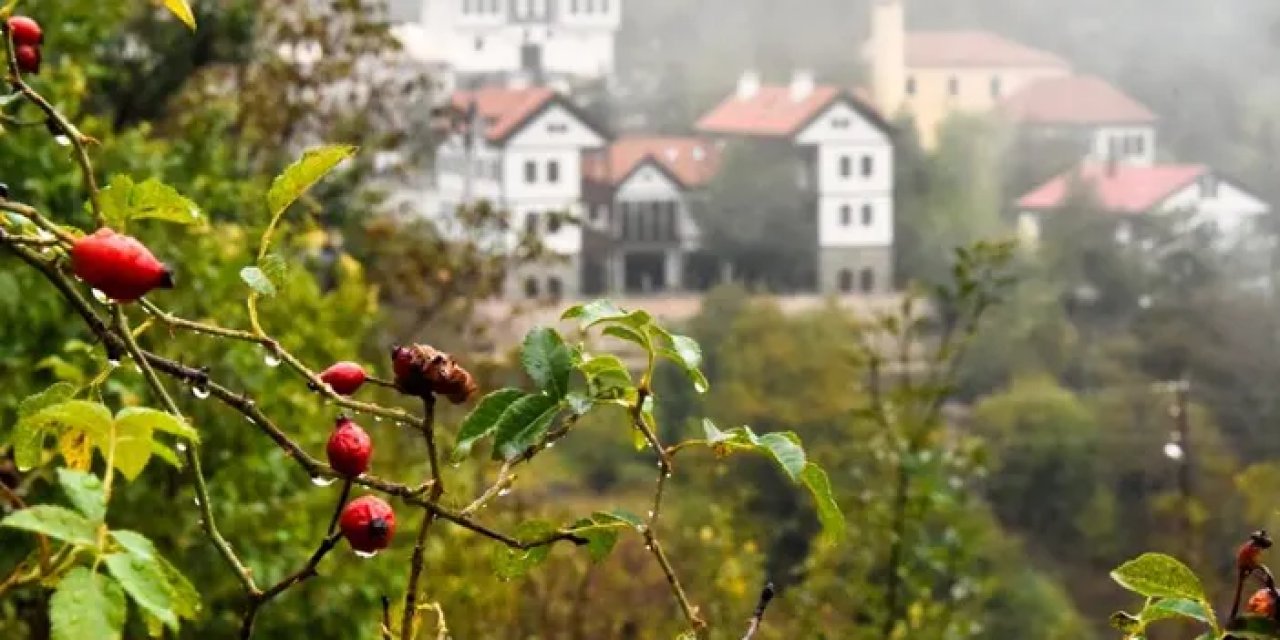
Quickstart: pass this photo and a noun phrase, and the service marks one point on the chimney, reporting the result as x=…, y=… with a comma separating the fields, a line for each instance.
x=748, y=84
x=801, y=84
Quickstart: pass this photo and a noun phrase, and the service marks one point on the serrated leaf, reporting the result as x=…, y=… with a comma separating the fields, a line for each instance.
x=606, y=375
x=85, y=492
x=274, y=267
x=90, y=417
x=523, y=425
x=157, y=420
x=1157, y=575
x=87, y=605
x=28, y=444
x=483, y=420
x=303, y=174
x=547, y=361
x=146, y=585
x=182, y=10
x=511, y=563
x=123, y=200
x=593, y=313
x=135, y=544
x=56, y=393
x=824, y=501
x=1175, y=607
x=258, y=281
x=132, y=447
x=54, y=521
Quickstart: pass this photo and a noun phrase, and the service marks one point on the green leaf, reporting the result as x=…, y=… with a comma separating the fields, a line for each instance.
x=688, y=350
x=156, y=420
x=274, y=267
x=87, y=605
x=54, y=521
x=85, y=492
x=165, y=454
x=547, y=361
x=123, y=200
x=1156, y=575
x=511, y=563
x=593, y=313
x=258, y=281
x=824, y=501
x=1126, y=622
x=28, y=444
x=146, y=584
x=90, y=417
x=182, y=10
x=523, y=424
x=1176, y=607
x=606, y=375
x=580, y=403
x=57, y=393
x=302, y=175
x=712, y=432
x=484, y=420
x=135, y=544
x=133, y=447
x=601, y=531
x=186, y=600
x=629, y=334
x=786, y=451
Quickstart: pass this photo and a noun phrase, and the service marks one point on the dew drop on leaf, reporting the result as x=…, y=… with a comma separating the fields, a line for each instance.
x=366, y=554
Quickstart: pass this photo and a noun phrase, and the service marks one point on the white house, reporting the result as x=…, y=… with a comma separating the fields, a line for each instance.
x=1110, y=125
x=641, y=234
x=488, y=41
x=1132, y=191
x=525, y=158
x=848, y=151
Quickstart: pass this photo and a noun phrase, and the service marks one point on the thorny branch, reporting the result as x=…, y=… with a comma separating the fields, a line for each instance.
x=410, y=617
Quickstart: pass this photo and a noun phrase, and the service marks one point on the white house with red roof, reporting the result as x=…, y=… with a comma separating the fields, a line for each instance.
x=522, y=150
x=495, y=40
x=1109, y=124
x=1132, y=191
x=641, y=236
x=847, y=151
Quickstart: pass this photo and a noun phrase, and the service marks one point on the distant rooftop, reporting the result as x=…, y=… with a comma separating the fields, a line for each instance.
x=974, y=49
x=1075, y=100
x=503, y=110
x=691, y=161
x=1117, y=189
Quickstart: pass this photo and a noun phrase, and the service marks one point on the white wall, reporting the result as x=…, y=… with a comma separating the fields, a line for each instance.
x=1101, y=141
x=1231, y=209
x=832, y=181
x=833, y=232
x=841, y=123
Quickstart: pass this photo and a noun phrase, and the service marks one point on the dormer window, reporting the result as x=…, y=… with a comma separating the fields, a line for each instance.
x=839, y=123
x=1208, y=186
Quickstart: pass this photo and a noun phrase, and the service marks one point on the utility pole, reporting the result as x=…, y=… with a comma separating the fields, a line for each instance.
x=1180, y=450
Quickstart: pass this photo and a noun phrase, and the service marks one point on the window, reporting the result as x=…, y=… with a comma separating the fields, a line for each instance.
x=845, y=281
x=557, y=127
x=466, y=6
x=1139, y=145
x=655, y=221
x=846, y=166
x=531, y=223
x=555, y=288
x=839, y=123
x=479, y=44
x=867, y=280
x=553, y=223
x=531, y=287
x=604, y=6
x=672, y=231
x=868, y=214
x=996, y=89
x=594, y=214
x=1208, y=186
x=530, y=172
x=846, y=215
x=553, y=171
x=493, y=7
x=591, y=6
x=911, y=85
x=953, y=86
x=573, y=6
x=867, y=165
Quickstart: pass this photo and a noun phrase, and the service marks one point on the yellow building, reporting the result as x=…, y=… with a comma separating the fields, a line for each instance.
x=933, y=74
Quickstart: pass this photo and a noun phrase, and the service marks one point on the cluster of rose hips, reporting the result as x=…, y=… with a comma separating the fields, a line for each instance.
x=27, y=38
x=1249, y=561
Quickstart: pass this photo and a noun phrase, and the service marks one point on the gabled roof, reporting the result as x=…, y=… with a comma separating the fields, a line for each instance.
x=691, y=162
x=1117, y=189
x=1075, y=100
x=974, y=49
x=773, y=111
x=504, y=111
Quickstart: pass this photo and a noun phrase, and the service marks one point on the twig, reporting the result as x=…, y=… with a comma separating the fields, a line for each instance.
x=753, y=626
x=690, y=612
x=409, y=618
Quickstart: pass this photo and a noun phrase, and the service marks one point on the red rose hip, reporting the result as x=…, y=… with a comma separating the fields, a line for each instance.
x=118, y=265
x=28, y=58
x=368, y=524
x=344, y=377
x=349, y=448
x=25, y=31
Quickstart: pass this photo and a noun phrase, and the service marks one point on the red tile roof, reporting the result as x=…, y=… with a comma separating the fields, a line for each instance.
x=1122, y=189
x=973, y=49
x=504, y=110
x=691, y=161
x=1075, y=100
x=771, y=112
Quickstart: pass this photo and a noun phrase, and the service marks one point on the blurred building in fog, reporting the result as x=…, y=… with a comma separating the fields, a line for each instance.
x=1103, y=122
x=844, y=149
x=487, y=42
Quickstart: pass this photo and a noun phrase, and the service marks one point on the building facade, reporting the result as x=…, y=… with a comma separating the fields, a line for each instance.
x=849, y=150
x=1107, y=124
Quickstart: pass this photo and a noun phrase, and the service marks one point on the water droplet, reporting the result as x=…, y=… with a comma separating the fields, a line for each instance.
x=62, y=140
x=272, y=359
x=113, y=362
x=366, y=554
x=551, y=445
x=651, y=513
x=502, y=493
x=249, y=419
x=377, y=418
x=668, y=474
x=456, y=465
x=200, y=392
x=321, y=481
x=196, y=501
x=1173, y=451
x=101, y=297
x=648, y=547
x=182, y=447
x=639, y=528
